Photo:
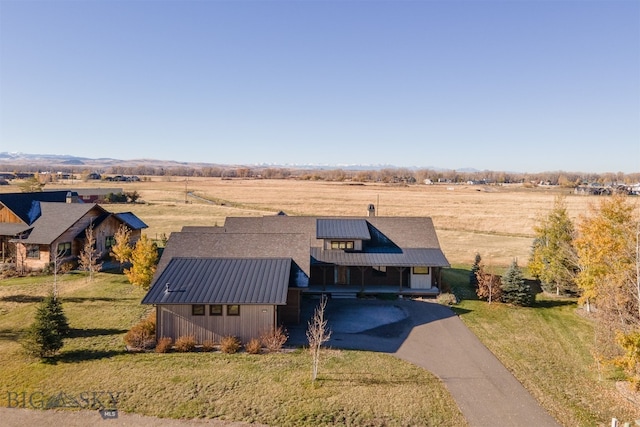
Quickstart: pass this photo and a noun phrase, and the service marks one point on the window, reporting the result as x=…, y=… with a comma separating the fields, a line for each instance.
x=380, y=271
x=215, y=310
x=33, y=251
x=109, y=241
x=233, y=310
x=342, y=244
x=197, y=310
x=420, y=270
x=64, y=249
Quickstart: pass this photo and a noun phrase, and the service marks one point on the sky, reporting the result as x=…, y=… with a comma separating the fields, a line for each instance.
x=522, y=86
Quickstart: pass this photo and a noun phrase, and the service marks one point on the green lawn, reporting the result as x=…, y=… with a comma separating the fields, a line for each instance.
x=548, y=348
x=354, y=388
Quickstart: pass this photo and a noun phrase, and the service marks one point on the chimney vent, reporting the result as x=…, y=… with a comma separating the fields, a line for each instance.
x=372, y=210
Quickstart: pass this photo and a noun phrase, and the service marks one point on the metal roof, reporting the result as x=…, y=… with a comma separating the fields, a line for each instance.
x=222, y=281
x=342, y=229
x=405, y=258
x=132, y=221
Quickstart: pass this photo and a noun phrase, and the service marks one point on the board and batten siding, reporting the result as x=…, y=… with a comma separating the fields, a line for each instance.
x=420, y=281
x=176, y=320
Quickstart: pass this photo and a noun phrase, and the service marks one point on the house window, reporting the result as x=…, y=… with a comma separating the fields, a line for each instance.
x=420, y=270
x=64, y=249
x=215, y=310
x=197, y=310
x=342, y=244
x=109, y=242
x=233, y=310
x=33, y=251
x=380, y=271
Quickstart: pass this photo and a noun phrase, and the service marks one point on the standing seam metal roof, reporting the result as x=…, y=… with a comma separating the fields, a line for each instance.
x=342, y=229
x=222, y=281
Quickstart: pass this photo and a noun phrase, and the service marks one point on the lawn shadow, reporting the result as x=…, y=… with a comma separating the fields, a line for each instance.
x=22, y=298
x=78, y=356
x=551, y=303
x=86, y=333
x=10, y=334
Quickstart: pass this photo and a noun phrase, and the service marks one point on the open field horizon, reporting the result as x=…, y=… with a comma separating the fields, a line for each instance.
x=494, y=220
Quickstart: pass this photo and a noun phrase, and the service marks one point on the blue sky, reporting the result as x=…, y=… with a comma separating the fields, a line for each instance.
x=523, y=86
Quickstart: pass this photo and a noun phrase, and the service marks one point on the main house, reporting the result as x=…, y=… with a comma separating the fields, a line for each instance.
x=36, y=228
x=248, y=276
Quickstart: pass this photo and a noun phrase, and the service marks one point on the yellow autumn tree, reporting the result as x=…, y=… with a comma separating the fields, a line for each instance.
x=122, y=249
x=144, y=258
x=609, y=258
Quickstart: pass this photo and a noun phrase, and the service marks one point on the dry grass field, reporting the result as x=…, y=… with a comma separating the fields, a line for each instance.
x=496, y=221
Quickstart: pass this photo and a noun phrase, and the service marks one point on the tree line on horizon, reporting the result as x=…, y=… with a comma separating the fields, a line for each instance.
x=384, y=175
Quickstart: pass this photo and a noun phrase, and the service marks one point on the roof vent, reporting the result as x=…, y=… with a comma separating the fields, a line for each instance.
x=372, y=210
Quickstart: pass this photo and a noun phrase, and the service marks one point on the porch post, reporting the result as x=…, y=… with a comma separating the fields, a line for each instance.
x=362, y=272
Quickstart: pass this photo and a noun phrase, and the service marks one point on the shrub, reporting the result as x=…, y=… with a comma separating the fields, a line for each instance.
x=208, y=345
x=230, y=345
x=186, y=343
x=274, y=339
x=164, y=345
x=447, y=299
x=253, y=346
x=142, y=335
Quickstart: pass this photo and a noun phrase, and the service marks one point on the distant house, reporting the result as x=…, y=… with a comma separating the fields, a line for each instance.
x=248, y=275
x=39, y=226
x=92, y=195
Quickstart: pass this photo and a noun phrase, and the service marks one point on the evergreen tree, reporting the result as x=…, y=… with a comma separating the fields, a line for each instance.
x=553, y=255
x=473, y=275
x=44, y=337
x=515, y=289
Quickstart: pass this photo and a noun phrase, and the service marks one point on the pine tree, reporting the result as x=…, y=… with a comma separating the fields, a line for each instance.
x=45, y=336
x=473, y=275
x=143, y=263
x=515, y=289
x=553, y=255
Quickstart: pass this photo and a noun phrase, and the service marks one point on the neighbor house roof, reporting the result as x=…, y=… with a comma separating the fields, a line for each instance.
x=25, y=205
x=222, y=281
x=56, y=218
x=131, y=221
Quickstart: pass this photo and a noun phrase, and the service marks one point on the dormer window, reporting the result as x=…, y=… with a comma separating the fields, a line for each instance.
x=342, y=244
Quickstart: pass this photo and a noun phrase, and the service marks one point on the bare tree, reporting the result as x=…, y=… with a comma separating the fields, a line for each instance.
x=317, y=334
x=488, y=284
x=89, y=255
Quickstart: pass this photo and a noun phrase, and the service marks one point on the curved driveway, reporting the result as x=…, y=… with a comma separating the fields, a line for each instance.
x=433, y=337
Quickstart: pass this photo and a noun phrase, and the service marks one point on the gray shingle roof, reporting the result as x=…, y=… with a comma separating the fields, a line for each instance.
x=56, y=218
x=338, y=228
x=22, y=204
x=222, y=281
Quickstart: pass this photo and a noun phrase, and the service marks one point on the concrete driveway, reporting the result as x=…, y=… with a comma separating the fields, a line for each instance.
x=431, y=336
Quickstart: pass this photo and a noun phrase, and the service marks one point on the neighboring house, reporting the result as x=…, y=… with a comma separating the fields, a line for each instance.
x=41, y=229
x=247, y=276
x=93, y=195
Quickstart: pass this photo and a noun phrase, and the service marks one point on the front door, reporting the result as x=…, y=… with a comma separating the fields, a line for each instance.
x=341, y=275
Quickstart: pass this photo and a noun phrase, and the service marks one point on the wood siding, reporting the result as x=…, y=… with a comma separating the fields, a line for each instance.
x=7, y=216
x=175, y=320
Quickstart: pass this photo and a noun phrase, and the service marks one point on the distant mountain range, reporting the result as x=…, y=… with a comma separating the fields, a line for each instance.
x=64, y=160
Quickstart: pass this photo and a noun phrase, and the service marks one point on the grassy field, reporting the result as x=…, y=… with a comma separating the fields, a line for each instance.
x=354, y=388
x=496, y=221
